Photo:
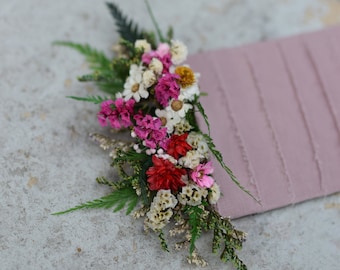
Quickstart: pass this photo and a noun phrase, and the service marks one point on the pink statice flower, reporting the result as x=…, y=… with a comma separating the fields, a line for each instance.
x=201, y=175
x=118, y=113
x=167, y=88
x=149, y=129
x=162, y=54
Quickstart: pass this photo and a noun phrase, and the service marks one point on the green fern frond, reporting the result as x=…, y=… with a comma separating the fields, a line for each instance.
x=93, y=99
x=97, y=60
x=127, y=29
x=195, y=221
x=219, y=158
x=118, y=198
x=129, y=156
x=106, y=82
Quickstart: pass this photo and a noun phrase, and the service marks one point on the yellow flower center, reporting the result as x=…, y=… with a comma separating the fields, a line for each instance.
x=135, y=87
x=176, y=105
x=187, y=77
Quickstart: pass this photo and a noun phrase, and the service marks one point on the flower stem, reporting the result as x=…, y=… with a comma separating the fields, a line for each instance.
x=160, y=36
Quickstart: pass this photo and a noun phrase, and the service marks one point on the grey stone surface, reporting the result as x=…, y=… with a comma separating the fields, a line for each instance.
x=49, y=164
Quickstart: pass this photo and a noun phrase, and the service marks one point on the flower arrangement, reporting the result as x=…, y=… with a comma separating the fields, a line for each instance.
x=165, y=168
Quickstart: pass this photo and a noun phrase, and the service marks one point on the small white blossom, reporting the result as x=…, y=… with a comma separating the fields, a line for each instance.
x=169, y=119
x=134, y=86
x=156, y=66
x=182, y=127
x=167, y=157
x=192, y=195
x=191, y=91
x=191, y=160
x=143, y=44
x=179, y=107
x=149, y=78
x=179, y=52
x=203, y=148
x=214, y=194
x=160, y=210
x=194, y=139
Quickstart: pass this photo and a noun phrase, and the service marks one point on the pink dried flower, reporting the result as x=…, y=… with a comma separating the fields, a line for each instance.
x=167, y=88
x=150, y=130
x=163, y=49
x=200, y=175
x=162, y=54
x=118, y=112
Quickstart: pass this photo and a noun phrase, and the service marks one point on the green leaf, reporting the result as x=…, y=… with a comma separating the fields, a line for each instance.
x=219, y=158
x=127, y=29
x=143, y=180
x=118, y=198
x=205, y=117
x=194, y=213
x=170, y=33
x=191, y=118
x=163, y=241
x=97, y=60
x=129, y=156
x=93, y=99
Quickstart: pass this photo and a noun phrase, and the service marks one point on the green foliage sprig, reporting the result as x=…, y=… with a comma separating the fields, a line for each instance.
x=118, y=198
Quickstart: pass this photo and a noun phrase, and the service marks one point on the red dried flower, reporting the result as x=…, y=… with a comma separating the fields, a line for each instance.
x=164, y=175
x=178, y=145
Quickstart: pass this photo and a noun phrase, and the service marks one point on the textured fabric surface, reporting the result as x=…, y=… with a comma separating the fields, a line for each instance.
x=274, y=116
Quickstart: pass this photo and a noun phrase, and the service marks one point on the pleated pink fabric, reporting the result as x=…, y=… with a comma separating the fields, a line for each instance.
x=274, y=110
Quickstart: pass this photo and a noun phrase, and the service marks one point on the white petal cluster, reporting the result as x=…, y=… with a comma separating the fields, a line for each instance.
x=134, y=86
x=192, y=195
x=179, y=106
x=191, y=91
x=179, y=52
x=169, y=118
x=149, y=78
x=156, y=66
x=143, y=44
x=197, y=141
x=214, y=194
x=160, y=210
x=191, y=160
x=182, y=127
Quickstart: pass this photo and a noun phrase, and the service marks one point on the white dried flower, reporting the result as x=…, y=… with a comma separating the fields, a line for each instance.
x=182, y=127
x=179, y=52
x=168, y=118
x=214, y=194
x=143, y=44
x=160, y=210
x=192, y=195
x=191, y=160
x=149, y=78
x=156, y=66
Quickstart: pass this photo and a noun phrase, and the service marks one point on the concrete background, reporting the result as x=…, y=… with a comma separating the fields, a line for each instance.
x=48, y=163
